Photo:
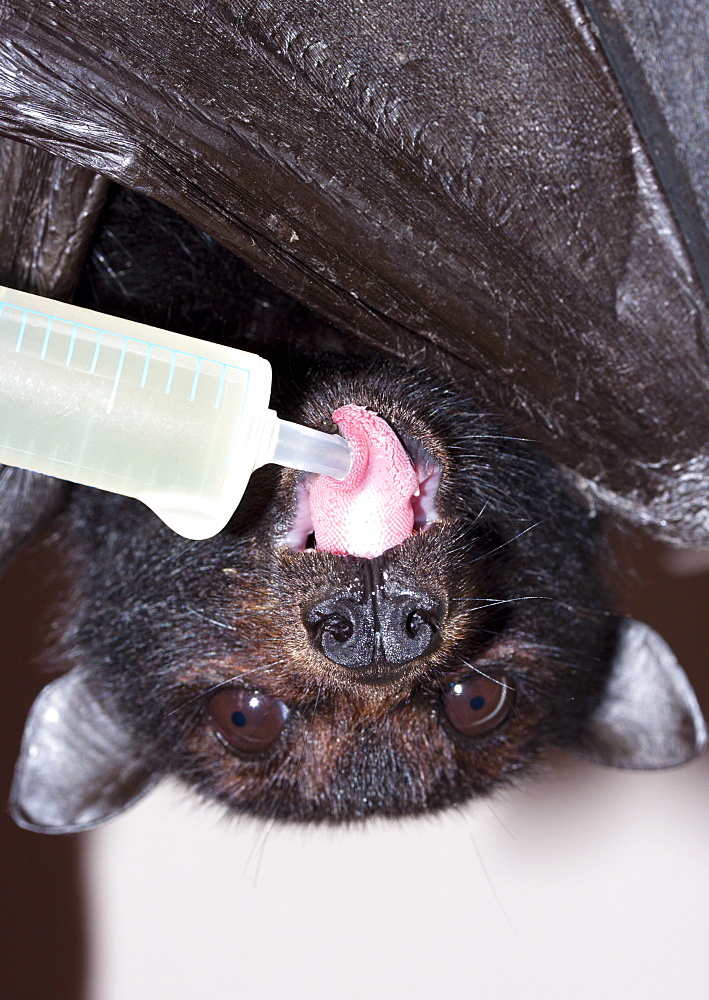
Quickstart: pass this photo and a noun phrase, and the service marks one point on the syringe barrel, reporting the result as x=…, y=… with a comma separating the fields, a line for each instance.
x=171, y=420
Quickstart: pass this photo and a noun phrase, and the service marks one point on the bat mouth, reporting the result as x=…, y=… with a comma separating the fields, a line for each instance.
x=301, y=534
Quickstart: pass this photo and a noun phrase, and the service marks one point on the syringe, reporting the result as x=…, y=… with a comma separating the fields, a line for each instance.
x=176, y=422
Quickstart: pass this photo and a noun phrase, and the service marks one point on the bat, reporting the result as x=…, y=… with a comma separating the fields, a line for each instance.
x=293, y=684
x=509, y=198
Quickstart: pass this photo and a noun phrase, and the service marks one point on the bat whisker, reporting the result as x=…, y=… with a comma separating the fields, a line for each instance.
x=212, y=621
x=213, y=688
x=484, y=869
x=509, y=541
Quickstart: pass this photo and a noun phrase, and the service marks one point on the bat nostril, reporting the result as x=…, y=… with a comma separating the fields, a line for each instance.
x=338, y=629
x=419, y=622
x=410, y=627
x=342, y=631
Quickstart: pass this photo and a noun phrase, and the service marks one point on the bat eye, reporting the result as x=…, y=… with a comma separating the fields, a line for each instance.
x=245, y=720
x=477, y=705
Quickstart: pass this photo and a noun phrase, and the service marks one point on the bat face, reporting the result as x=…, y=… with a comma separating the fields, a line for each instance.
x=296, y=684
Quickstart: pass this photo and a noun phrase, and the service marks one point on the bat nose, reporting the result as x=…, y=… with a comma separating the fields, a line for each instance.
x=376, y=635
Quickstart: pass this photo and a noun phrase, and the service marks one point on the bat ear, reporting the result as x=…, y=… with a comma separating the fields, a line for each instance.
x=649, y=716
x=77, y=767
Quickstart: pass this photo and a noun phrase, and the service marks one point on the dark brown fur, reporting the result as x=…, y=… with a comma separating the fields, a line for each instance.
x=165, y=621
x=159, y=623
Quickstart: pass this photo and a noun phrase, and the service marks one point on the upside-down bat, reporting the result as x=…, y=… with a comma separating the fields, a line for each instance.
x=511, y=196
x=296, y=684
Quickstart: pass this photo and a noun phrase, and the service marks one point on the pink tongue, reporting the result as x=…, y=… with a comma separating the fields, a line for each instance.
x=371, y=510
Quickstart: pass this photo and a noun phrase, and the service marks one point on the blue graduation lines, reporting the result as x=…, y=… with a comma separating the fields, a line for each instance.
x=72, y=342
x=90, y=350
x=196, y=380
x=45, y=345
x=117, y=377
x=21, y=333
x=146, y=365
x=94, y=361
x=171, y=373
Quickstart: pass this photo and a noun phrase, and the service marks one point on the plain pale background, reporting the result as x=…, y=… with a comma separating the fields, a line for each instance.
x=585, y=883
x=594, y=885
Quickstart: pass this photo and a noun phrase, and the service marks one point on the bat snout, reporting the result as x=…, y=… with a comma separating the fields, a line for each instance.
x=376, y=635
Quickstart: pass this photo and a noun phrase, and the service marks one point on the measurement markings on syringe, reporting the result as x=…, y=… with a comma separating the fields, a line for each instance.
x=196, y=380
x=45, y=345
x=94, y=362
x=72, y=341
x=146, y=366
x=171, y=374
x=119, y=369
x=21, y=334
x=220, y=370
x=82, y=348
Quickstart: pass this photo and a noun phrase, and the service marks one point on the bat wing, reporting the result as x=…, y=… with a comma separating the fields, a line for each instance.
x=660, y=55
x=469, y=185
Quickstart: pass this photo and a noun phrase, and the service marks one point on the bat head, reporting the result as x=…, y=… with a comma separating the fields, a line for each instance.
x=295, y=684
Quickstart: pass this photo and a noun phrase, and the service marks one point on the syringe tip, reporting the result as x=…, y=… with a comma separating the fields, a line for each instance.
x=299, y=447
